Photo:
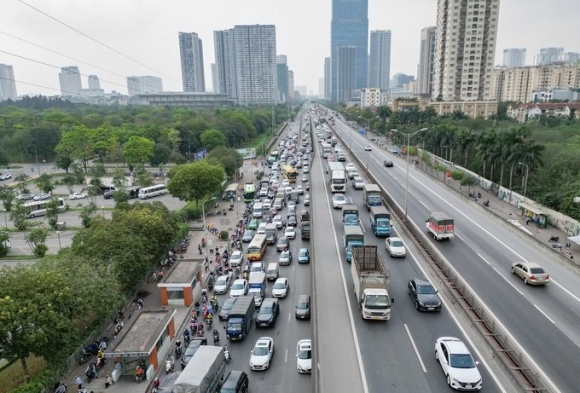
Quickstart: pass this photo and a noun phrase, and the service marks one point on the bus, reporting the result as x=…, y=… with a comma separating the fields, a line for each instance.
x=38, y=208
x=257, y=248
x=289, y=172
x=249, y=192
x=153, y=191
x=231, y=192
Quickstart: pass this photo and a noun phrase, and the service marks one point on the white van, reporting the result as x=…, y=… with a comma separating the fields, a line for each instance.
x=272, y=271
x=257, y=210
x=262, y=228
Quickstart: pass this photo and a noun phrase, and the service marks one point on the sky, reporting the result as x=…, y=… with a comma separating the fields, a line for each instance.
x=114, y=39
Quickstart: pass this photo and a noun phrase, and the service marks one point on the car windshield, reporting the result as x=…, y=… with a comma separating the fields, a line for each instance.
x=238, y=285
x=279, y=285
x=285, y=254
x=305, y=354
x=377, y=301
x=537, y=270
x=227, y=305
x=339, y=197
x=463, y=360
x=302, y=305
x=397, y=243
x=221, y=280
x=426, y=290
x=266, y=310
x=303, y=253
x=234, y=326
x=260, y=351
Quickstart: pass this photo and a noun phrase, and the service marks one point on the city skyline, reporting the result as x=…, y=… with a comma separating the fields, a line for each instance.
x=149, y=38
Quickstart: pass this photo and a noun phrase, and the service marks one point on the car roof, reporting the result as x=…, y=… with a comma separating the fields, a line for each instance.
x=230, y=300
x=395, y=238
x=421, y=281
x=266, y=302
x=455, y=345
x=303, y=298
x=305, y=343
x=530, y=264
x=281, y=279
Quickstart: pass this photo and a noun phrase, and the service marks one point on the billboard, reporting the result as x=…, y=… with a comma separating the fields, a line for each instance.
x=247, y=154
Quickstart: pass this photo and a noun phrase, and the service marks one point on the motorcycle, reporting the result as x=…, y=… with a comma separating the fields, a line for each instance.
x=186, y=338
x=216, y=337
x=227, y=355
x=177, y=351
x=85, y=357
x=169, y=364
x=100, y=363
x=91, y=372
x=139, y=374
x=554, y=239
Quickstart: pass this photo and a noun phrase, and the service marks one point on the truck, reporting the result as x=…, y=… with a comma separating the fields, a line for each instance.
x=336, y=176
x=257, y=285
x=372, y=196
x=440, y=226
x=271, y=233
x=326, y=150
x=305, y=225
x=203, y=373
x=240, y=318
x=350, y=215
x=352, y=236
x=380, y=221
x=333, y=141
x=371, y=279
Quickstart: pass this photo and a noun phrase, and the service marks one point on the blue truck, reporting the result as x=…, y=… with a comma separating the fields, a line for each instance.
x=380, y=221
x=352, y=236
x=350, y=215
x=372, y=196
x=241, y=318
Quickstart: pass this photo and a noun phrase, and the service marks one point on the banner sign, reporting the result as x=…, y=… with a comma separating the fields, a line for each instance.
x=247, y=154
x=200, y=154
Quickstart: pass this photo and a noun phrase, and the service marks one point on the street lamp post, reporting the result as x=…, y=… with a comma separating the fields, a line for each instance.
x=407, y=175
x=526, y=177
x=36, y=155
x=59, y=244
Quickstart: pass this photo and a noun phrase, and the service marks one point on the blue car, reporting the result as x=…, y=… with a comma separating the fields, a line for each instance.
x=303, y=256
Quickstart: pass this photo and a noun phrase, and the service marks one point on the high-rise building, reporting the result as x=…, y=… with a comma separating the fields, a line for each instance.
x=571, y=57
x=327, y=79
x=226, y=62
x=465, y=49
x=321, y=87
x=94, y=83
x=400, y=79
x=144, y=85
x=380, y=59
x=291, y=88
x=191, y=54
x=548, y=56
x=350, y=28
x=214, y=78
x=255, y=57
x=426, y=68
x=514, y=57
x=346, y=73
x=70, y=81
x=282, y=78
x=7, y=82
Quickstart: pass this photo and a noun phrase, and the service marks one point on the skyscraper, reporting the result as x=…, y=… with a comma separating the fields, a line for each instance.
x=144, y=85
x=346, y=73
x=7, y=82
x=214, y=78
x=191, y=54
x=465, y=49
x=94, y=83
x=282, y=78
x=380, y=59
x=349, y=28
x=70, y=81
x=291, y=84
x=327, y=79
x=549, y=56
x=255, y=57
x=514, y=57
x=226, y=62
x=426, y=60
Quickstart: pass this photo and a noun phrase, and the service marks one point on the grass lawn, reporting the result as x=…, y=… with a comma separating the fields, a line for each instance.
x=12, y=376
x=257, y=142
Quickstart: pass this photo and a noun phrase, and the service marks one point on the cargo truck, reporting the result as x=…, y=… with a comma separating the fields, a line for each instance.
x=380, y=221
x=350, y=214
x=240, y=318
x=305, y=225
x=371, y=283
x=352, y=236
x=440, y=226
x=204, y=372
x=257, y=285
x=372, y=196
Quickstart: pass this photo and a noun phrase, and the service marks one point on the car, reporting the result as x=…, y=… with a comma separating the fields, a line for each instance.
x=248, y=236
x=271, y=193
x=395, y=247
x=167, y=384
x=457, y=364
x=236, y=259
x=239, y=288
x=24, y=197
x=222, y=283
x=262, y=354
x=78, y=195
x=226, y=307
x=291, y=205
x=5, y=176
x=306, y=200
x=254, y=224
x=288, y=190
x=191, y=349
x=531, y=273
x=280, y=288
x=348, y=166
x=290, y=232
x=277, y=220
x=257, y=267
x=268, y=314
x=338, y=200
x=300, y=190
x=236, y=381
x=424, y=295
x=358, y=183
x=353, y=173
x=41, y=197
x=304, y=357
x=368, y=148
x=291, y=221
x=305, y=169
x=388, y=163
x=285, y=258
x=282, y=244
x=299, y=164
x=341, y=157
x=263, y=192
x=303, y=256
x=108, y=194
x=304, y=178
x=285, y=183
x=303, y=307
x=271, y=238
x=394, y=151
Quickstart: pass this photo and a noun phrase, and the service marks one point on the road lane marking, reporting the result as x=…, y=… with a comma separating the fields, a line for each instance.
x=426, y=207
x=286, y=356
x=289, y=316
x=540, y=310
x=415, y=348
x=459, y=237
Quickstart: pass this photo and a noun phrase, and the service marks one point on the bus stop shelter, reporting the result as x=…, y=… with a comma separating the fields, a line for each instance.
x=534, y=214
x=182, y=284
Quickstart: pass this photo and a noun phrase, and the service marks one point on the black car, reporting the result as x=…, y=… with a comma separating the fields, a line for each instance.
x=225, y=308
x=388, y=163
x=167, y=384
x=236, y=382
x=303, y=307
x=248, y=236
x=271, y=238
x=268, y=314
x=424, y=295
x=191, y=349
x=291, y=221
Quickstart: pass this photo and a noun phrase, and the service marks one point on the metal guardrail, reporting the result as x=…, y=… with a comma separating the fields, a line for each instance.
x=498, y=339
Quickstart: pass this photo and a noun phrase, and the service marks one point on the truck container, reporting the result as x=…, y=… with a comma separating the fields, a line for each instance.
x=338, y=181
x=371, y=283
x=350, y=215
x=372, y=195
x=440, y=226
x=352, y=236
x=203, y=373
x=240, y=318
x=257, y=285
x=380, y=221
x=305, y=225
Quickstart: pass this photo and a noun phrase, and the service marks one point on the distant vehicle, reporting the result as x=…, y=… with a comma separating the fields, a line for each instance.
x=5, y=176
x=153, y=191
x=282, y=244
x=358, y=183
x=226, y=307
x=424, y=295
x=192, y=348
x=239, y=288
x=388, y=163
x=236, y=258
x=280, y=288
x=368, y=148
x=306, y=200
x=394, y=151
x=395, y=247
x=262, y=354
x=25, y=197
x=458, y=365
x=531, y=273
x=303, y=256
x=285, y=258
x=303, y=307
x=248, y=236
x=222, y=283
x=268, y=314
x=338, y=200
x=41, y=197
x=78, y=195
x=38, y=208
x=304, y=357
x=290, y=232
x=440, y=226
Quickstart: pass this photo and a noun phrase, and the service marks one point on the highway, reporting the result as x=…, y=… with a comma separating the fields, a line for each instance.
x=543, y=320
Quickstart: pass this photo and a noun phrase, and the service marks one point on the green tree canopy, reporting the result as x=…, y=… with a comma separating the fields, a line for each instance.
x=138, y=150
x=211, y=139
x=194, y=181
x=227, y=157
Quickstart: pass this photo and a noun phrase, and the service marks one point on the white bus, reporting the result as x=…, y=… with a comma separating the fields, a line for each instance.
x=38, y=208
x=153, y=191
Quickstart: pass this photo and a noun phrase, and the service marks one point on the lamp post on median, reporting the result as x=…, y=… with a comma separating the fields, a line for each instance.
x=526, y=177
x=407, y=175
x=59, y=244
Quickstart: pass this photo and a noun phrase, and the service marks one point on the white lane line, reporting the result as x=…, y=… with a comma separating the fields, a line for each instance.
x=289, y=316
x=459, y=237
x=502, y=276
x=424, y=205
x=286, y=356
x=415, y=348
x=546, y=315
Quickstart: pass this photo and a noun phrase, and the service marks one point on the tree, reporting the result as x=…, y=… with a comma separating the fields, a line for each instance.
x=52, y=213
x=161, y=155
x=36, y=240
x=69, y=181
x=44, y=183
x=211, y=139
x=4, y=239
x=192, y=182
x=18, y=216
x=227, y=157
x=138, y=150
x=3, y=158
x=21, y=182
x=7, y=196
x=87, y=214
x=63, y=161
x=76, y=143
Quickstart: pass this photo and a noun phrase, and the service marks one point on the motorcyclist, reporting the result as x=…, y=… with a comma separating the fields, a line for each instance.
x=100, y=358
x=216, y=336
x=139, y=372
x=178, y=344
x=156, y=383
x=209, y=319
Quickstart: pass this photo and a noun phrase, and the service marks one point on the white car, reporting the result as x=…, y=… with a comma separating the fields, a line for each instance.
x=338, y=200
x=222, y=284
x=78, y=195
x=300, y=189
x=288, y=190
x=458, y=365
x=280, y=288
x=285, y=258
x=304, y=357
x=358, y=183
x=277, y=220
x=285, y=183
x=305, y=169
x=290, y=233
x=239, y=288
x=262, y=354
x=395, y=247
x=236, y=259
x=368, y=148
x=348, y=166
x=5, y=176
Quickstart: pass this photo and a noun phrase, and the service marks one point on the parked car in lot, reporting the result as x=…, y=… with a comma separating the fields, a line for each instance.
x=457, y=364
x=304, y=356
x=41, y=197
x=531, y=273
x=424, y=295
x=5, y=176
x=78, y=195
x=24, y=197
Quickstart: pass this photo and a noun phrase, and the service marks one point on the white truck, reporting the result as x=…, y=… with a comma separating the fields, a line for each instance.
x=204, y=372
x=371, y=283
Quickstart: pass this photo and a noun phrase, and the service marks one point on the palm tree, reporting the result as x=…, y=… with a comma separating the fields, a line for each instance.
x=465, y=141
x=485, y=147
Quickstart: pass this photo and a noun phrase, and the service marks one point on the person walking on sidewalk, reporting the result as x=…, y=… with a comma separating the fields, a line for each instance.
x=79, y=382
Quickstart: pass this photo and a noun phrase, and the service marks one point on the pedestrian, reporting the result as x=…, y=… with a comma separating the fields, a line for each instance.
x=205, y=265
x=79, y=382
x=108, y=381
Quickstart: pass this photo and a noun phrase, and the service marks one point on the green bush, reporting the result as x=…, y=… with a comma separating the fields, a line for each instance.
x=457, y=175
x=192, y=212
x=224, y=235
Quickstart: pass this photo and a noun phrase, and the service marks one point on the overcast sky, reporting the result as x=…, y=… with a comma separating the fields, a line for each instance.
x=144, y=32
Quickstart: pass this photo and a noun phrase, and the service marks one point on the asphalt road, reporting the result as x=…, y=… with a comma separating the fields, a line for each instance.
x=543, y=320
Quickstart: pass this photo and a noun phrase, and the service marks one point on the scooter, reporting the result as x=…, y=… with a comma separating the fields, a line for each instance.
x=227, y=355
x=169, y=364
x=177, y=351
x=554, y=238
